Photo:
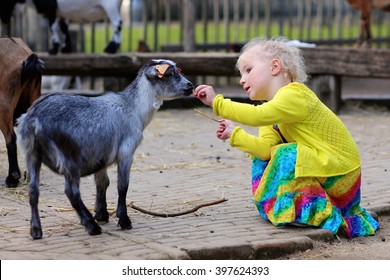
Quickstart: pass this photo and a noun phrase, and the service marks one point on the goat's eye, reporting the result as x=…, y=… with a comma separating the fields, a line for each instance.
x=179, y=69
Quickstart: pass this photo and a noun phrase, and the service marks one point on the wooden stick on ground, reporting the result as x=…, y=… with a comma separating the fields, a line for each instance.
x=164, y=215
x=167, y=215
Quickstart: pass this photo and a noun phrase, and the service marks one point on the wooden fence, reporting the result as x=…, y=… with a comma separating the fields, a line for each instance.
x=326, y=66
x=217, y=25
x=212, y=24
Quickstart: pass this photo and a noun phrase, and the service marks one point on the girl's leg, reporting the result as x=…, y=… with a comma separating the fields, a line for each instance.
x=344, y=193
x=281, y=198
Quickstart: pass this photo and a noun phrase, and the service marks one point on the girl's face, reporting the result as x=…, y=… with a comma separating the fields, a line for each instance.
x=256, y=74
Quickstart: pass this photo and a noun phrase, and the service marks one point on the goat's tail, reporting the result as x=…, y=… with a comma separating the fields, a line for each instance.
x=32, y=68
x=27, y=128
x=31, y=80
x=32, y=138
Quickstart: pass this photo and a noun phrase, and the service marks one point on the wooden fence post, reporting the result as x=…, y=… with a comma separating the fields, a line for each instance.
x=328, y=90
x=189, y=9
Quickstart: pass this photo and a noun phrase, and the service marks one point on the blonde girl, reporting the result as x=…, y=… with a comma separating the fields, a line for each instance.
x=305, y=163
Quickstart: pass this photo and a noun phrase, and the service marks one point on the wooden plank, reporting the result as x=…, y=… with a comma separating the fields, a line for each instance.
x=124, y=65
x=352, y=62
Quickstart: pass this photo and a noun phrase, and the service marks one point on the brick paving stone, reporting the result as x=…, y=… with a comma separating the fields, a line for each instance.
x=181, y=164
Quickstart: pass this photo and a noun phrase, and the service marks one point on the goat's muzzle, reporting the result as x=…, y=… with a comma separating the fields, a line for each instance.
x=189, y=89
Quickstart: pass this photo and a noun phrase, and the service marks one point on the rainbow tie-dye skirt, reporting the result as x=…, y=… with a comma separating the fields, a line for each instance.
x=330, y=203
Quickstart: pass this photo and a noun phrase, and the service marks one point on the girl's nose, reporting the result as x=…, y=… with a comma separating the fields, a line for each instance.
x=242, y=81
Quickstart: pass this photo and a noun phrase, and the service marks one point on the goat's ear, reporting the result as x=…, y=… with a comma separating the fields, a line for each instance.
x=157, y=71
x=162, y=68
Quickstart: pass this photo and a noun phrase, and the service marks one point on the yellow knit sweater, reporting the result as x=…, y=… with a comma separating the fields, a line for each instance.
x=324, y=145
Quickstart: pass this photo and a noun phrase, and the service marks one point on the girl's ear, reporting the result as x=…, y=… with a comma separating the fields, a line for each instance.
x=276, y=66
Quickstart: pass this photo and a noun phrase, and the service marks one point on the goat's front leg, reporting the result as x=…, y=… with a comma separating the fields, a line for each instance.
x=73, y=193
x=102, y=182
x=123, y=185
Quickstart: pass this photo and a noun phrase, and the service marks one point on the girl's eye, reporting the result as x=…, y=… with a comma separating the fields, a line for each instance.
x=248, y=70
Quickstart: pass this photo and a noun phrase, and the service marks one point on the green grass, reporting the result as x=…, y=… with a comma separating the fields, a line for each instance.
x=235, y=35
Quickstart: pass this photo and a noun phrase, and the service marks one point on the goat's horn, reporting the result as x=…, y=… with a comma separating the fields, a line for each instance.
x=162, y=68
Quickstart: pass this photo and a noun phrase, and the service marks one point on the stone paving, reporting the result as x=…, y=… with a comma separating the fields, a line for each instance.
x=179, y=165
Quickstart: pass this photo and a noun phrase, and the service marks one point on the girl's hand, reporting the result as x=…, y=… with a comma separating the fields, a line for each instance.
x=206, y=94
x=225, y=129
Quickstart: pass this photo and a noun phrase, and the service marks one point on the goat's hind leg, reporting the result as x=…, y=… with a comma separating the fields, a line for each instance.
x=33, y=167
x=13, y=177
x=55, y=28
x=72, y=191
x=116, y=22
x=102, y=182
x=67, y=46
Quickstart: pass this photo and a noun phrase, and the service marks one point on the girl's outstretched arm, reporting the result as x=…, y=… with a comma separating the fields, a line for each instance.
x=206, y=94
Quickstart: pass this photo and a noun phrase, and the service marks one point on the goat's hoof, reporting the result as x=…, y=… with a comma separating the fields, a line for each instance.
x=112, y=47
x=102, y=216
x=12, y=182
x=36, y=233
x=94, y=229
x=125, y=223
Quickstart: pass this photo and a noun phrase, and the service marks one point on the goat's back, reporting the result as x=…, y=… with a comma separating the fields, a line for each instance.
x=87, y=10
x=89, y=131
x=13, y=52
x=20, y=76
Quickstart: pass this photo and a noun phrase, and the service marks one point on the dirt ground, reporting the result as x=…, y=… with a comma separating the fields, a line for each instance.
x=367, y=248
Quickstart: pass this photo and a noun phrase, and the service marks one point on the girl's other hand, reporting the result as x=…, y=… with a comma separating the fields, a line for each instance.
x=206, y=94
x=225, y=129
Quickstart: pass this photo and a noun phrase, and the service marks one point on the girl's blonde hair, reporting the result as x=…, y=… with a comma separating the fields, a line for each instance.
x=279, y=48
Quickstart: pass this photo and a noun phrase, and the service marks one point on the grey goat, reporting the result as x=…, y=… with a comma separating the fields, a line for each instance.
x=76, y=135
